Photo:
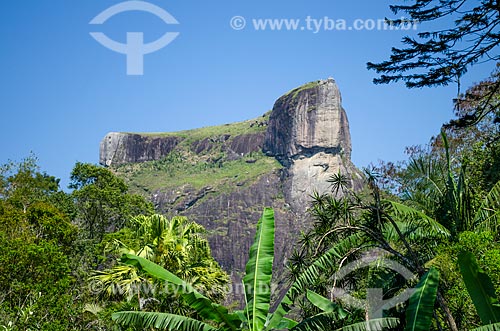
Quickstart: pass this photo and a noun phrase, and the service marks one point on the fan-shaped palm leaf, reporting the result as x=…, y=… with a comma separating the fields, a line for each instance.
x=419, y=219
x=488, y=216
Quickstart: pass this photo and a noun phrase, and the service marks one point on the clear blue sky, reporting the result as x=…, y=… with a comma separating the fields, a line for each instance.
x=61, y=91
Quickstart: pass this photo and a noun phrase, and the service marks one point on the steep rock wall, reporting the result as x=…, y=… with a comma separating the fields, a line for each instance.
x=119, y=148
x=309, y=134
x=307, y=120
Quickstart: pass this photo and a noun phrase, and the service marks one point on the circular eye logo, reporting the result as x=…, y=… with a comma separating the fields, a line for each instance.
x=374, y=303
x=135, y=48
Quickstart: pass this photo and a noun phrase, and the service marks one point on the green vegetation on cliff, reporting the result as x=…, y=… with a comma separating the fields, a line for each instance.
x=220, y=157
x=177, y=169
x=233, y=129
x=295, y=92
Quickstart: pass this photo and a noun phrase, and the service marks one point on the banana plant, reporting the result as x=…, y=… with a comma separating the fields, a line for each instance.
x=421, y=306
x=481, y=291
x=256, y=315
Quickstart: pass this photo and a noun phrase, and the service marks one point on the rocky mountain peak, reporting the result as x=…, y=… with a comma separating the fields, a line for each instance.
x=308, y=120
x=309, y=134
x=220, y=177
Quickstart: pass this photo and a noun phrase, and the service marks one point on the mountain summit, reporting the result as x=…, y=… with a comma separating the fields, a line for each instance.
x=309, y=134
x=223, y=176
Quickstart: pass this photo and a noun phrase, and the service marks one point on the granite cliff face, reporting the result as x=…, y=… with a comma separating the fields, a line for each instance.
x=222, y=177
x=119, y=148
x=308, y=120
x=309, y=134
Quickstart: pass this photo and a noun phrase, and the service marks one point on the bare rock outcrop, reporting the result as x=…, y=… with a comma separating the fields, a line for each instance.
x=120, y=148
x=309, y=134
x=307, y=120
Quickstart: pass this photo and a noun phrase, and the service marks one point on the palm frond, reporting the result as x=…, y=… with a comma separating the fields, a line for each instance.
x=418, y=219
x=325, y=263
x=488, y=216
x=415, y=231
x=372, y=325
x=160, y=321
x=203, y=306
x=319, y=322
x=489, y=327
x=332, y=313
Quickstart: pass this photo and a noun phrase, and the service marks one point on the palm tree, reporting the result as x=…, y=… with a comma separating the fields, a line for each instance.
x=411, y=233
x=176, y=244
x=256, y=316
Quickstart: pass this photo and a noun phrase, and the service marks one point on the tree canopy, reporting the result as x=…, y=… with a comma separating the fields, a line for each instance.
x=470, y=34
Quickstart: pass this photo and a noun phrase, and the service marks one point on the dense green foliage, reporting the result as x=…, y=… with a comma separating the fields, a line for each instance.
x=418, y=249
x=52, y=240
x=204, y=157
x=36, y=283
x=256, y=315
x=177, y=245
x=102, y=200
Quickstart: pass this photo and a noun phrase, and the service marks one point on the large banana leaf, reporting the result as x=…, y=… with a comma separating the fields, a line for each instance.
x=326, y=305
x=286, y=323
x=259, y=269
x=480, y=288
x=421, y=306
x=205, y=308
x=160, y=321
